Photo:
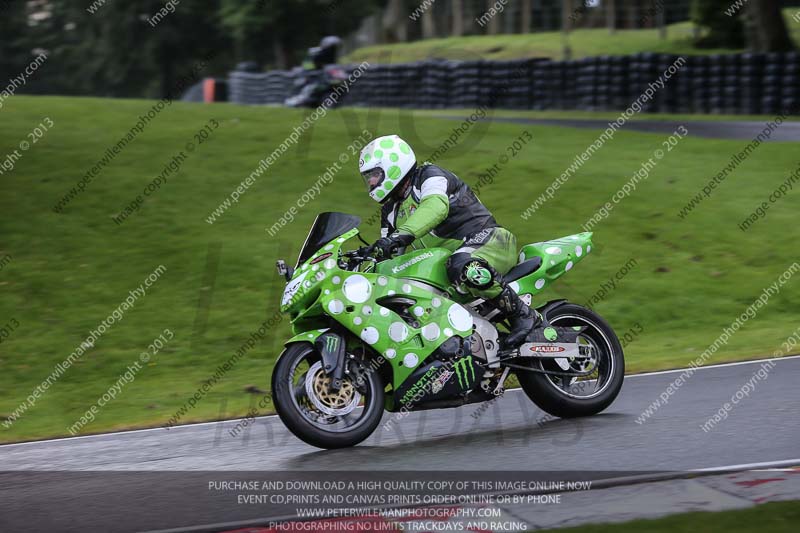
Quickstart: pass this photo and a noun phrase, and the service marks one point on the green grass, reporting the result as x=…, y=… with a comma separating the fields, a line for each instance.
x=70, y=271
x=776, y=517
x=582, y=43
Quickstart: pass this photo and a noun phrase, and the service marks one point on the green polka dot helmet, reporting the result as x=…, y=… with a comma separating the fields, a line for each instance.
x=384, y=164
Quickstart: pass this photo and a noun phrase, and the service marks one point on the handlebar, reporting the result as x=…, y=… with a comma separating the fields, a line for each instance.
x=365, y=253
x=361, y=254
x=367, y=250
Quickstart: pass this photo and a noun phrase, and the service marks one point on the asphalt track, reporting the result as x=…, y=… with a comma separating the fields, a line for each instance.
x=511, y=435
x=741, y=129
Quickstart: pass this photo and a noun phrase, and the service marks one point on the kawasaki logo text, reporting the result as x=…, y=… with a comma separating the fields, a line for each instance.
x=412, y=261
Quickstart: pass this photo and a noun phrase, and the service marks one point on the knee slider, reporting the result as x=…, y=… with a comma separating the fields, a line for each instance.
x=478, y=273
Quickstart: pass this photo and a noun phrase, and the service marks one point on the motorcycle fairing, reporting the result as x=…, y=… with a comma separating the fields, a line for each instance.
x=427, y=265
x=353, y=299
x=404, y=341
x=558, y=257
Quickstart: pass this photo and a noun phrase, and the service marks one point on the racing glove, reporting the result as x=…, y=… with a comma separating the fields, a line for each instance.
x=385, y=246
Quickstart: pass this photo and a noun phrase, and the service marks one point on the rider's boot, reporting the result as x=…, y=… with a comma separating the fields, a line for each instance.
x=522, y=318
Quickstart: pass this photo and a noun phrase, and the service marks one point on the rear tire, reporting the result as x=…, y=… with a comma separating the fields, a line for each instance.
x=292, y=415
x=543, y=390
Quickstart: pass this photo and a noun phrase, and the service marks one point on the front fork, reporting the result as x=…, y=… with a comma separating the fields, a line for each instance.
x=331, y=347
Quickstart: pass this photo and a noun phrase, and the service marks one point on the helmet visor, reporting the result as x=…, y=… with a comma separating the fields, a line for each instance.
x=373, y=178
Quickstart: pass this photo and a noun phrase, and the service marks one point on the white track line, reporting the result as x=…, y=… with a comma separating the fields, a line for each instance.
x=200, y=424
x=738, y=363
x=766, y=465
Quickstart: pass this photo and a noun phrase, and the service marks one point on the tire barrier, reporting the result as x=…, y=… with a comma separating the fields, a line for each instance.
x=260, y=88
x=747, y=83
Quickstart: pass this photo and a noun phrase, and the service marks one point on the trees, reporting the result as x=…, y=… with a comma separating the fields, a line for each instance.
x=766, y=29
x=458, y=18
x=428, y=24
x=113, y=50
x=15, y=52
x=725, y=25
x=723, y=30
x=527, y=6
x=277, y=33
x=123, y=49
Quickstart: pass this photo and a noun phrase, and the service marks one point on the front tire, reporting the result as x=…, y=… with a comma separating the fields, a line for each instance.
x=316, y=415
x=559, y=396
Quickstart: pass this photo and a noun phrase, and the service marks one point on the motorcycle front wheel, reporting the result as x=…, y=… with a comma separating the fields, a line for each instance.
x=318, y=415
x=567, y=397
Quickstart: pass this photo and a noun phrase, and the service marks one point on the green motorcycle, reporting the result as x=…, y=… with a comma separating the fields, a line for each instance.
x=396, y=335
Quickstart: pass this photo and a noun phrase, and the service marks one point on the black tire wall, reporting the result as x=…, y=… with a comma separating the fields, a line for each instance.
x=736, y=83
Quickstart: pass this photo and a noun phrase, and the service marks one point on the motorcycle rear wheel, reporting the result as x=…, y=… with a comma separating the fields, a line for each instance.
x=563, y=396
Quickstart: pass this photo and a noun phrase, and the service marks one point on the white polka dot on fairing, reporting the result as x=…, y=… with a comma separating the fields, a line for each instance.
x=315, y=268
x=339, y=240
x=588, y=248
x=329, y=263
x=320, y=276
x=419, y=311
x=335, y=280
x=569, y=266
x=459, y=317
x=357, y=288
x=390, y=353
x=578, y=251
x=327, y=291
x=357, y=320
x=383, y=280
x=398, y=332
x=539, y=283
x=431, y=332
x=410, y=360
x=329, y=247
x=391, y=292
x=367, y=310
x=370, y=335
x=436, y=302
x=310, y=335
x=306, y=284
x=384, y=311
x=335, y=306
x=448, y=332
x=514, y=286
x=406, y=288
x=553, y=250
x=521, y=257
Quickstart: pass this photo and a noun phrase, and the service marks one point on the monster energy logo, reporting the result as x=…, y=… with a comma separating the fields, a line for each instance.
x=418, y=389
x=331, y=343
x=464, y=370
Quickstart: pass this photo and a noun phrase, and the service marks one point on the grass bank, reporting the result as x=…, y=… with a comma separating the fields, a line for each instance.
x=582, y=43
x=69, y=271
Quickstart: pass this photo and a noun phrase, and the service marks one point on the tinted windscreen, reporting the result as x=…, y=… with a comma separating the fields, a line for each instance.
x=326, y=227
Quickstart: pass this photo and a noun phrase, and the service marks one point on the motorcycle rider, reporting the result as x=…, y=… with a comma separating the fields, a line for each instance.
x=431, y=207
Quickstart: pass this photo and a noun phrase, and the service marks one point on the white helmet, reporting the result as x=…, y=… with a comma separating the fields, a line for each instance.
x=384, y=164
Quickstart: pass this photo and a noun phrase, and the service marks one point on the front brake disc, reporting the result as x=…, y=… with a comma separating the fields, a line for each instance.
x=338, y=403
